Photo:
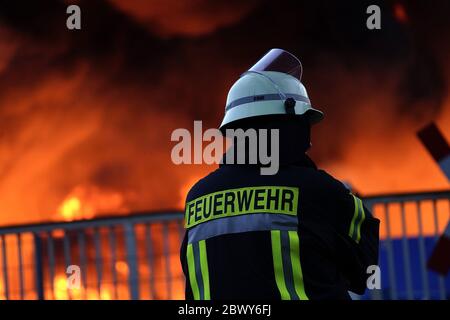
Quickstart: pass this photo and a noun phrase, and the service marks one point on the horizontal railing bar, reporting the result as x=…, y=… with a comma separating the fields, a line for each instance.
x=402, y=197
x=79, y=224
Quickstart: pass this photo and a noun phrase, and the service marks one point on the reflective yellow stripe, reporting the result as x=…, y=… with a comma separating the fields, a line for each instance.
x=355, y=215
x=357, y=220
x=191, y=270
x=278, y=265
x=204, y=269
x=296, y=265
x=363, y=216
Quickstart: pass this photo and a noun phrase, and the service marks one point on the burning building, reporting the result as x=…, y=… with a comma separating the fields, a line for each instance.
x=86, y=115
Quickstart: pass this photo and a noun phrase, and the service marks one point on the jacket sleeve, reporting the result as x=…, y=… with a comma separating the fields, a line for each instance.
x=358, y=240
x=183, y=260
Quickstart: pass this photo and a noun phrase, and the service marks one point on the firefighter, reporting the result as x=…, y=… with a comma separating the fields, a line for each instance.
x=296, y=235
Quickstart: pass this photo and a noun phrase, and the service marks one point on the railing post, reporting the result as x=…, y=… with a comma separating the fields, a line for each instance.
x=441, y=281
x=406, y=257
x=51, y=262
x=133, y=276
x=38, y=270
x=83, y=260
x=67, y=258
x=150, y=259
x=5, y=267
x=375, y=294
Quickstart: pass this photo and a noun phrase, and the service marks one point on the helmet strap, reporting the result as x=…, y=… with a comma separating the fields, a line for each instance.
x=289, y=105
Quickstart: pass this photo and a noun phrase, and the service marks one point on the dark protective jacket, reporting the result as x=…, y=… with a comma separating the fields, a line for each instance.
x=299, y=234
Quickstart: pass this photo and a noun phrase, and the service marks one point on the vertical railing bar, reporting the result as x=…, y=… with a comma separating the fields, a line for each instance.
x=375, y=294
x=2, y=288
x=83, y=264
x=113, y=246
x=182, y=232
x=98, y=261
x=5, y=267
x=51, y=262
x=167, y=259
x=20, y=260
x=67, y=255
x=390, y=249
x=131, y=254
x=67, y=258
x=149, y=254
x=423, y=266
x=406, y=258
x=39, y=273
x=441, y=281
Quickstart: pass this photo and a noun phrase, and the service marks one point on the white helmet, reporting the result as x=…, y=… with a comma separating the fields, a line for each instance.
x=272, y=86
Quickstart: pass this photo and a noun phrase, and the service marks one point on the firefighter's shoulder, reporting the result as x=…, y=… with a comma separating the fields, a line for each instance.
x=327, y=183
x=203, y=186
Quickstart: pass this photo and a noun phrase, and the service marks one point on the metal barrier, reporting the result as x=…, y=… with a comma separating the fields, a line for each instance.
x=137, y=257
x=132, y=257
x=411, y=223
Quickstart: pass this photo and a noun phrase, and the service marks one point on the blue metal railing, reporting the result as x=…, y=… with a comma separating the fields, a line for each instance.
x=119, y=253
x=408, y=238
x=136, y=256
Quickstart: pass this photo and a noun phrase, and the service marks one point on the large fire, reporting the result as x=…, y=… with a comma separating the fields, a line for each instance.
x=88, y=202
x=86, y=117
x=85, y=131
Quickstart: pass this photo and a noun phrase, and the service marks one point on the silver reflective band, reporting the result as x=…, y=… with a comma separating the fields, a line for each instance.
x=265, y=97
x=244, y=223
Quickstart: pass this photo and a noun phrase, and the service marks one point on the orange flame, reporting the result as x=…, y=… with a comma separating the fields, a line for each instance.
x=87, y=202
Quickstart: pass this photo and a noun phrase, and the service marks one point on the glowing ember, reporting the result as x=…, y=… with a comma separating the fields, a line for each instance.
x=122, y=267
x=105, y=294
x=70, y=208
x=61, y=292
x=96, y=116
x=60, y=287
x=185, y=189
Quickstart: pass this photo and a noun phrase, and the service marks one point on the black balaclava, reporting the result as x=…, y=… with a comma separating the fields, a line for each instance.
x=294, y=135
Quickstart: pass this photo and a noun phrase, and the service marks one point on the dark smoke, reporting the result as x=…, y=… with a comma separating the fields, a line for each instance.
x=97, y=106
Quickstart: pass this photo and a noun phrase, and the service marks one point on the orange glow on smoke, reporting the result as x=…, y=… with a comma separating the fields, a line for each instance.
x=87, y=138
x=400, y=13
x=152, y=275
x=87, y=202
x=206, y=18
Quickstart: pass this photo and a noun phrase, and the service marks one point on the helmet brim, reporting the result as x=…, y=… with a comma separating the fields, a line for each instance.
x=313, y=115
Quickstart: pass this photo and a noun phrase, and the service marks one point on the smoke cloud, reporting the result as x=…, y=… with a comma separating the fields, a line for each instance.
x=93, y=109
